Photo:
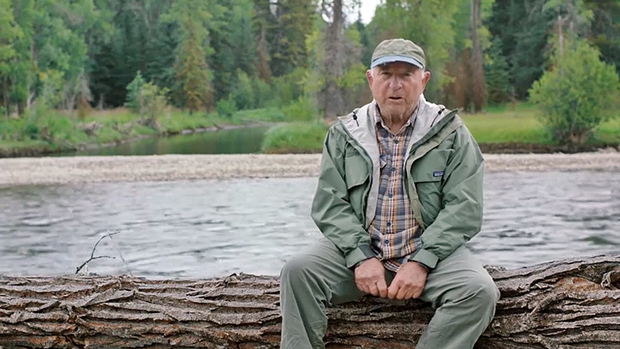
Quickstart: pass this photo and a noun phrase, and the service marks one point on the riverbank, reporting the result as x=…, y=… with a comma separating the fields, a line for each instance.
x=56, y=132
x=72, y=170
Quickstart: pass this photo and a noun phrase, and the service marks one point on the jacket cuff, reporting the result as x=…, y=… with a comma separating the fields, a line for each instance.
x=361, y=253
x=425, y=257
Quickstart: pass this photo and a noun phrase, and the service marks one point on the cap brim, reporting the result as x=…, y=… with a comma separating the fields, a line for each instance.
x=391, y=59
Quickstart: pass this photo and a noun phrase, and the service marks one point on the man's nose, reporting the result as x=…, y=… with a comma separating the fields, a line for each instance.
x=395, y=83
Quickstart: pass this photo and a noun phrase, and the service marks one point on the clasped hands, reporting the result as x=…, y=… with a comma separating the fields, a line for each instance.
x=408, y=283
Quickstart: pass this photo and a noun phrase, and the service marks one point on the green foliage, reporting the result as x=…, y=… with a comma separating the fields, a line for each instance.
x=194, y=77
x=524, y=30
x=145, y=98
x=226, y=107
x=299, y=137
x=428, y=23
x=497, y=74
x=243, y=93
x=288, y=88
x=9, y=32
x=31, y=131
x=577, y=95
x=303, y=109
x=605, y=29
x=575, y=16
x=286, y=34
x=135, y=100
x=233, y=45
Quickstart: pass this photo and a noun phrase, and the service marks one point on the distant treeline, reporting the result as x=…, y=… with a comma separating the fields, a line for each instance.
x=247, y=54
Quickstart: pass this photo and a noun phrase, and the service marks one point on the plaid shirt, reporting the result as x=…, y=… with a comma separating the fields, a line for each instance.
x=394, y=231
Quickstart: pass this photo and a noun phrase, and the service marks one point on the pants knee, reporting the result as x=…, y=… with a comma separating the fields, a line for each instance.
x=484, y=293
x=294, y=269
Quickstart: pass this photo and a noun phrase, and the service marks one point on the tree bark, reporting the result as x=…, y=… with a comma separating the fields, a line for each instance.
x=334, y=65
x=574, y=303
x=478, y=84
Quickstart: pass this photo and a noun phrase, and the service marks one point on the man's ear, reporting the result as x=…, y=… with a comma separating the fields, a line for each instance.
x=369, y=77
x=426, y=75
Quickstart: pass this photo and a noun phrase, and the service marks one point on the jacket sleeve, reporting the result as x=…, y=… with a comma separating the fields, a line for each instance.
x=331, y=209
x=461, y=216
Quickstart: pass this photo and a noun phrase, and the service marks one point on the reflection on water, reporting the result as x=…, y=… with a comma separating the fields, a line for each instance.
x=245, y=140
x=213, y=228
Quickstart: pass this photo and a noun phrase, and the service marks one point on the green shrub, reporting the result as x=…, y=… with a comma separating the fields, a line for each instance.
x=577, y=95
x=226, y=108
x=288, y=88
x=243, y=92
x=31, y=131
x=299, y=137
x=262, y=93
x=146, y=99
x=303, y=109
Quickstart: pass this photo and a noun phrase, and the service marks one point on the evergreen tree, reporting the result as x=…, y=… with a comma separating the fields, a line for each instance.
x=191, y=70
x=262, y=23
x=605, y=29
x=287, y=42
x=524, y=28
x=497, y=74
x=233, y=45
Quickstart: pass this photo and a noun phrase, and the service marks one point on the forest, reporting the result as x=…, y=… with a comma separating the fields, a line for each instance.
x=224, y=56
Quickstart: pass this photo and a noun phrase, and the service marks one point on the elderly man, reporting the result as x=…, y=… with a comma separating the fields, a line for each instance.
x=398, y=196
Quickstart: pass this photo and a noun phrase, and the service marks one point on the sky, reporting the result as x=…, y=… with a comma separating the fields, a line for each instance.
x=368, y=10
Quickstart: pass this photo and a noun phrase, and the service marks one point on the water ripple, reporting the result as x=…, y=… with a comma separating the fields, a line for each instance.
x=211, y=228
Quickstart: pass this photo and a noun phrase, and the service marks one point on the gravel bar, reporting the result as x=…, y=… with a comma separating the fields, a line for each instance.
x=65, y=170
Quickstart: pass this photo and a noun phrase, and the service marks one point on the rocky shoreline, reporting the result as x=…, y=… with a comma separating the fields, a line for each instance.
x=71, y=170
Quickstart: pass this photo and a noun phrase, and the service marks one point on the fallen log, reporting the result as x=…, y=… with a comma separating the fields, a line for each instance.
x=573, y=303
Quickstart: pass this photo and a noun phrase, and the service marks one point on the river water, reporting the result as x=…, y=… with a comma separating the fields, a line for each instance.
x=204, y=229
x=242, y=140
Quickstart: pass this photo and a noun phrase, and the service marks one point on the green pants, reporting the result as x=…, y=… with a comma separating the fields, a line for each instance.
x=459, y=288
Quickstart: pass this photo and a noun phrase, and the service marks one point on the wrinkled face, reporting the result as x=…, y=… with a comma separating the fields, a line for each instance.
x=397, y=87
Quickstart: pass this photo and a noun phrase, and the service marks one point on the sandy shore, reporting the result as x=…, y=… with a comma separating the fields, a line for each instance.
x=21, y=171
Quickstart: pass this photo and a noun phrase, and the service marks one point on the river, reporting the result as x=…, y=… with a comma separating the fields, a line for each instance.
x=242, y=140
x=203, y=229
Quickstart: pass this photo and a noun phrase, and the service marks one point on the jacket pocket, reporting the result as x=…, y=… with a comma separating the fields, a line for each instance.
x=357, y=179
x=428, y=173
x=355, y=169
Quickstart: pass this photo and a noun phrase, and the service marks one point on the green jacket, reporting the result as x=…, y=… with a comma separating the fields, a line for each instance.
x=443, y=178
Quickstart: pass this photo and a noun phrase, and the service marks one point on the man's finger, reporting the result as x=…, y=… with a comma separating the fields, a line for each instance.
x=402, y=292
x=382, y=287
x=374, y=290
x=362, y=287
x=393, y=290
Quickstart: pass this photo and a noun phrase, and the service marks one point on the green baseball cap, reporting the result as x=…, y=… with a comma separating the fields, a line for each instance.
x=398, y=50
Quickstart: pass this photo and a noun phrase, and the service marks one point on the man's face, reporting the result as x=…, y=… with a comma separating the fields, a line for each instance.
x=397, y=87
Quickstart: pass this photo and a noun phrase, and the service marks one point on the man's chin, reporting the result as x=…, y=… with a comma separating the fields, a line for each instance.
x=395, y=112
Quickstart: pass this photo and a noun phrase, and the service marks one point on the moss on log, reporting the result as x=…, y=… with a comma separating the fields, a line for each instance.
x=573, y=303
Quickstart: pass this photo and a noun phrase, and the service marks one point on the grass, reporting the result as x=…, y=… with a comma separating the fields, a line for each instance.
x=498, y=125
x=507, y=125
x=608, y=132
